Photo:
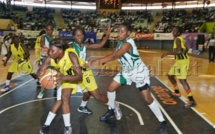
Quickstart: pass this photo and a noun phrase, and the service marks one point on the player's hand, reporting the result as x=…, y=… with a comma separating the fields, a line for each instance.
x=59, y=78
x=20, y=61
x=93, y=62
x=163, y=55
x=40, y=73
x=44, y=50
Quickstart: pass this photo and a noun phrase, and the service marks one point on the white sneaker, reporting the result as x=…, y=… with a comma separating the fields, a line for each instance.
x=5, y=89
x=68, y=130
x=117, y=111
x=40, y=95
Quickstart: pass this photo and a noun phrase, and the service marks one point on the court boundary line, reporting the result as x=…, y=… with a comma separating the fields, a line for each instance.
x=193, y=108
x=12, y=79
x=35, y=100
x=167, y=116
x=4, y=94
x=134, y=110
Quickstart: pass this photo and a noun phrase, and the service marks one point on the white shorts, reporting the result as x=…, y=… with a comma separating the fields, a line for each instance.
x=139, y=76
x=59, y=92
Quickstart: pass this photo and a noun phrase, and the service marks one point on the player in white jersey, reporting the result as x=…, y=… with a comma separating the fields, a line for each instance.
x=44, y=47
x=133, y=70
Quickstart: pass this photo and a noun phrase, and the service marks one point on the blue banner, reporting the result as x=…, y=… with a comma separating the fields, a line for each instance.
x=2, y=33
x=90, y=38
x=65, y=35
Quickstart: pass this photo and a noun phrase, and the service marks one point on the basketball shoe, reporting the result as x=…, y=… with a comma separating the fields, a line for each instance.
x=84, y=110
x=117, y=111
x=40, y=95
x=163, y=128
x=190, y=104
x=5, y=89
x=108, y=115
x=176, y=93
x=44, y=130
x=68, y=130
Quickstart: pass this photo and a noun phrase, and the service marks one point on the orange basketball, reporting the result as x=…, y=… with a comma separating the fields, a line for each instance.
x=48, y=79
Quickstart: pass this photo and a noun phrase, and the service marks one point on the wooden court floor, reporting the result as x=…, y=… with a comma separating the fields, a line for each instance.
x=22, y=113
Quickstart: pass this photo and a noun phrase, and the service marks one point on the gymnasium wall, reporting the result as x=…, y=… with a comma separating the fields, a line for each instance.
x=5, y=23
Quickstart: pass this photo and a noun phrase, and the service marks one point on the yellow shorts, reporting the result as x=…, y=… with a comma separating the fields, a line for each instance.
x=180, y=69
x=25, y=66
x=70, y=85
x=89, y=81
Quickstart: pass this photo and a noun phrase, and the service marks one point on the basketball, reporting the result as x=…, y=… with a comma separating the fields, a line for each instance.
x=48, y=79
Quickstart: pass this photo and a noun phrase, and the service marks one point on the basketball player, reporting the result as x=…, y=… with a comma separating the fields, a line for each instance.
x=20, y=56
x=133, y=70
x=211, y=48
x=180, y=68
x=44, y=46
x=37, y=46
x=88, y=85
x=70, y=72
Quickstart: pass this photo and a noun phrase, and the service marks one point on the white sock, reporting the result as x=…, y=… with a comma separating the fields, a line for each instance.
x=66, y=118
x=156, y=110
x=111, y=98
x=7, y=82
x=50, y=118
x=83, y=103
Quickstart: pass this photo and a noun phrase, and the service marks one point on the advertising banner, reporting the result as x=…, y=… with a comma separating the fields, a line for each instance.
x=2, y=33
x=144, y=36
x=163, y=36
x=99, y=35
x=65, y=35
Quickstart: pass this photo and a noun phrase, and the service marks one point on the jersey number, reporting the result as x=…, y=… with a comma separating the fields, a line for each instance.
x=88, y=80
x=70, y=71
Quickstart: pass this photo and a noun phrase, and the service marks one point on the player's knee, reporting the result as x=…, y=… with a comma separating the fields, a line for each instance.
x=97, y=97
x=65, y=99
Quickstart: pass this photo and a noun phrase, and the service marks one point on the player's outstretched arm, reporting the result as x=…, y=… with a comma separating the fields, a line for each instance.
x=102, y=43
x=115, y=55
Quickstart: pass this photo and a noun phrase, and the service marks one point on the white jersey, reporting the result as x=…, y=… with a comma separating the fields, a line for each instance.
x=130, y=60
x=44, y=55
x=133, y=68
x=47, y=40
x=81, y=51
x=211, y=42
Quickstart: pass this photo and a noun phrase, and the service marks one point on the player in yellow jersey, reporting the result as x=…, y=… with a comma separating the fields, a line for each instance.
x=180, y=68
x=88, y=85
x=37, y=46
x=20, y=56
x=69, y=72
